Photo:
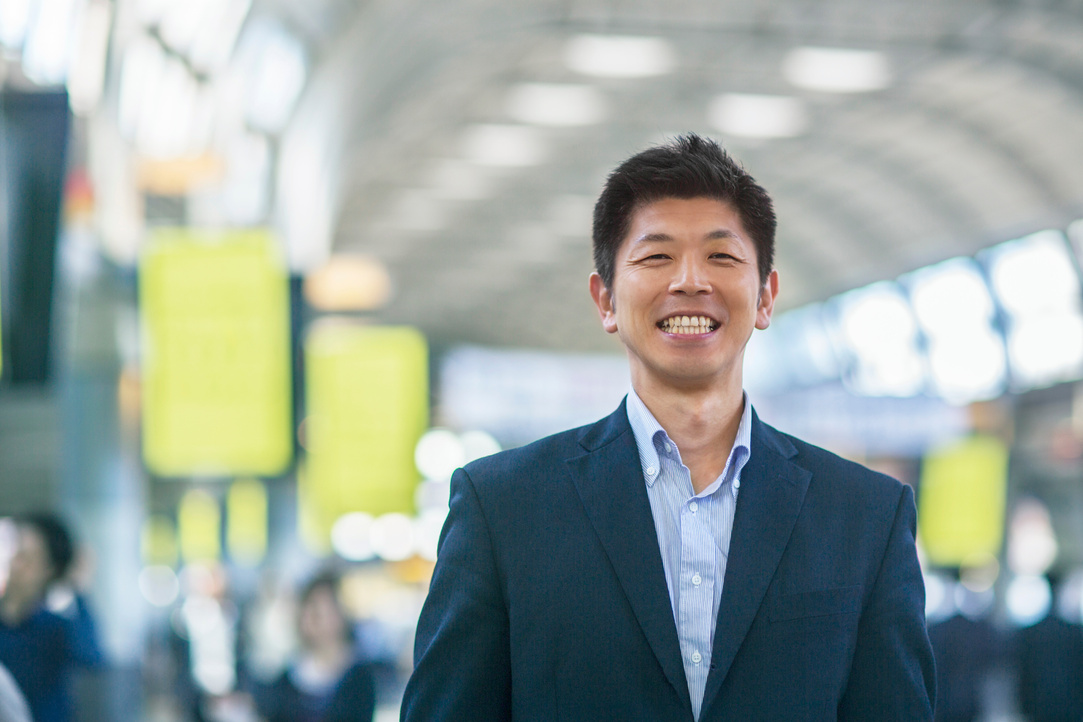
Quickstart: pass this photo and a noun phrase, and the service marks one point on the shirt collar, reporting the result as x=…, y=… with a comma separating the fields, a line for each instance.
x=648, y=431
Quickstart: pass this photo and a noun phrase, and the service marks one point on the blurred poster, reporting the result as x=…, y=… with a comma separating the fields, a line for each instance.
x=216, y=354
x=961, y=501
x=367, y=393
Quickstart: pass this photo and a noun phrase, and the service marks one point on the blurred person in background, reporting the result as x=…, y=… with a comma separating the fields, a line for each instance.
x=41, y=644
x=1049, y=663
x=326, y=681
x=967, y=648
x=679, y=560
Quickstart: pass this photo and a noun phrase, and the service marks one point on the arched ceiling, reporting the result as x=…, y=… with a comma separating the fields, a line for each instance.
x=977, y=139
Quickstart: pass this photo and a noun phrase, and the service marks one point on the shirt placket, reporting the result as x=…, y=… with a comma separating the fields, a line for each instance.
x=696, y=599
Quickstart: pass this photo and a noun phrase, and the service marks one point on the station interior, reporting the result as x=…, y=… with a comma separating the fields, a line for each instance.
x=271, y=270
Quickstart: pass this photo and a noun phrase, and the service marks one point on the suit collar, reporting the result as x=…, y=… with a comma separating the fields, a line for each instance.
x=772, y=493
x=609, y=481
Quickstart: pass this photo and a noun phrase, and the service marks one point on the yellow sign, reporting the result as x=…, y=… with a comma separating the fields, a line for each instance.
x=367, y=394
x=199, y=523
x=216, y=354
x=246, y=521
x=158, y=541
x=961, y=501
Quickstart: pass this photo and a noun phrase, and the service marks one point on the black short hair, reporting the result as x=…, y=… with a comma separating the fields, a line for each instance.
x=690, y=166
x=58, y=540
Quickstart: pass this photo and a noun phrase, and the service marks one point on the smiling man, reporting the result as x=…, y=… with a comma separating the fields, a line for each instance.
x=678, y=560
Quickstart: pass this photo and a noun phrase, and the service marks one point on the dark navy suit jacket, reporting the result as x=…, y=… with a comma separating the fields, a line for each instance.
x=549, y=600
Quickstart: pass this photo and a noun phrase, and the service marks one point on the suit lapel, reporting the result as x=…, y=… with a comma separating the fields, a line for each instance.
x=609, y=479
x=772, y=493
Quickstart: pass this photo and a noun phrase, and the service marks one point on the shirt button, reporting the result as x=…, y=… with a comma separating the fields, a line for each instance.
x=693, y=506
x=736, y=483
x=697, y=579
x=697, y=657
x=668, y=448
x=650, y=471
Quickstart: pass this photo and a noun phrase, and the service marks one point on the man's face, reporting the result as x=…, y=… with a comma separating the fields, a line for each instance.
x=685, y=294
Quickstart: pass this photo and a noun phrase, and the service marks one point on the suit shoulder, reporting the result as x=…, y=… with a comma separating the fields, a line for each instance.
x=827, y=464
x=527, y=462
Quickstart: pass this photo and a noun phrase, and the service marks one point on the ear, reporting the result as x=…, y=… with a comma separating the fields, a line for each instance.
x=603, y=299
x=766, y=305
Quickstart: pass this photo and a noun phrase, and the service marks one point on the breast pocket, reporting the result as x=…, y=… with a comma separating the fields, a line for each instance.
x=819, y=603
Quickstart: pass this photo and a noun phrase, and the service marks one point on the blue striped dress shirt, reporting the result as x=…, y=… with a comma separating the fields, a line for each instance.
x=693, y=533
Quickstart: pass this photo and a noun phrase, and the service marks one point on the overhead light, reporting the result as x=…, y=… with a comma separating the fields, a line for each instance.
x=351, y=536
x=879, y=329
x=151, y=12
x=247, y=186
x=556, y=104
x=438, y=453
x=86, y=69
x=1037, y=285
x=955, y=310
x=1046, y=349
x=392, y=537
x=212, y=46
x=837, y=70
x=276, y=67
x=14, y=18
x=1035, y=274
x=139, y=75
x=619, y=56
x=758, y=116
x=168, y=111
x=183, y=22
x=348, y=283
x=48, y=40
x=503, y=145
x=949, y=296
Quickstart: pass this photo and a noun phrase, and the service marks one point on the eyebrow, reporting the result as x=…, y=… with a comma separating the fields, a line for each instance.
x=719, y=234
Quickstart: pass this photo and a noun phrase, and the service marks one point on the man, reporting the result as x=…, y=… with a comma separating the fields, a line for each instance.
x=679, y=560
x=40, y=647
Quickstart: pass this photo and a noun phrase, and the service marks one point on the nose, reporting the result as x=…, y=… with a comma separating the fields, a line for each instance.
x=690, y=278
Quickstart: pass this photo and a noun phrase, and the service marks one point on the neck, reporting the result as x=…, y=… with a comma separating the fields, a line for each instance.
x=702, y=423
x=330, y=656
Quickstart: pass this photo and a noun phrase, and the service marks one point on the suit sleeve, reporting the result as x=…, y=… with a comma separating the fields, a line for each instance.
x=462, y=667
x=892, y=676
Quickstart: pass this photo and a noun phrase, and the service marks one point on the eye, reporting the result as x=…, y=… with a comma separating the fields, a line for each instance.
x=724, y=256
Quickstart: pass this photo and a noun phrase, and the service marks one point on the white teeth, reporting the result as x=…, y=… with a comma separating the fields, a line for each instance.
x=688, y=325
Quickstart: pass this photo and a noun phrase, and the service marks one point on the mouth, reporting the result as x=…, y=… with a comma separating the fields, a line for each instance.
x=688, y=325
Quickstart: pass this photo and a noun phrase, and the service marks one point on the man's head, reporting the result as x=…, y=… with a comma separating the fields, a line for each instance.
x=689, y=167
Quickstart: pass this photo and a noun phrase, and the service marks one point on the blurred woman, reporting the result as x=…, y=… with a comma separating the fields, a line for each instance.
x=38, y=646
x=326, y=682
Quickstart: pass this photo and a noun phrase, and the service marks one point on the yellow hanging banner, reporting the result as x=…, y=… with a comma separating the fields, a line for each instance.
x=246, y=521
x=216, y=354
x=158, y=541
x=367, y=394
x=961, y=501
x=199, y=521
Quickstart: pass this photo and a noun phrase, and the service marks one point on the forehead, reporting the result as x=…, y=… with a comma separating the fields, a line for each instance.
x=684, y=216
